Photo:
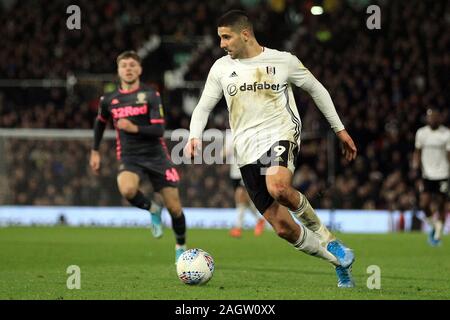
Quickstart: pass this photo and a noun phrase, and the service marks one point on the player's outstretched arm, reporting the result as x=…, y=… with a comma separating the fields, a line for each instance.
x=94, y=162
x=303, y=78
x=99, y=128
x=211, y=94
x=348, y=146
x=198, y=123
x=323, y=101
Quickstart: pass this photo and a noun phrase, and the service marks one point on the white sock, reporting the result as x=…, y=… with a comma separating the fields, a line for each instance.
x=438, y=228
x=310, y=243
x=154, y=207
x=325, y=234
x=240, y=215
x=307, y=216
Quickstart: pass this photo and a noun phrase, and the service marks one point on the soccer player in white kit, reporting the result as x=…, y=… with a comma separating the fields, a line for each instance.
x=256, y=82
x=432, y=152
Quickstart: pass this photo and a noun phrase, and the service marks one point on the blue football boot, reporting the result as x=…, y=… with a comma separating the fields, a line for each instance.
x=431, y=240
x=344, y=255
x=156, y=223
x=179, y=251
x=345, y=278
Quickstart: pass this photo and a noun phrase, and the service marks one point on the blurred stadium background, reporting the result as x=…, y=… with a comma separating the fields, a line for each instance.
x=381, y=82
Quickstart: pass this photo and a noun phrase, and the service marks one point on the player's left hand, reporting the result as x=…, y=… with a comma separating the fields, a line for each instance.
x=193, y=148
x=127, y=126
x=348, y=146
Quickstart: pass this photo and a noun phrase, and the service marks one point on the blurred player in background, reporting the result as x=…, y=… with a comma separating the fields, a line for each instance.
x=241, y=197
x=256, y=82
x=432, y=155
x=137, y=115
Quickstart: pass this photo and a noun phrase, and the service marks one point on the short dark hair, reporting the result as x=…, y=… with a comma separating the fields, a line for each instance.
x=237, y=19
x=129, y=54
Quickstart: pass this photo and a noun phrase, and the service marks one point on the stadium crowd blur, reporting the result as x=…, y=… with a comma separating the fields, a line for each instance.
x=381, y=82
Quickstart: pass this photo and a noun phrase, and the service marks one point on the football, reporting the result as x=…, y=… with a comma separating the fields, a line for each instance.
x=195, y=267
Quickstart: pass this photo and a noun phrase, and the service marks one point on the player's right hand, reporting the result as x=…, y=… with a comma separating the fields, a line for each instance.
x=192, y=148
x=94, y=162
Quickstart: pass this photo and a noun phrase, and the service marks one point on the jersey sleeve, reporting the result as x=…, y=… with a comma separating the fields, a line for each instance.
x=155, y=127
x=301, y=77
x=156, y=111
x=418, y=140
x=211, y=94
x=100, y=122
x=103, y=111
x=213, y=88
x=297, y=72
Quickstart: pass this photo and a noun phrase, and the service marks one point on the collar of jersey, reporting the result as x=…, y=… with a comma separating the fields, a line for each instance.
x=130, y=91
x=255, y=57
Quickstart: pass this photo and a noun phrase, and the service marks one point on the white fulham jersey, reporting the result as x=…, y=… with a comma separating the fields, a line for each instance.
x=260, y=101
x=434, y=146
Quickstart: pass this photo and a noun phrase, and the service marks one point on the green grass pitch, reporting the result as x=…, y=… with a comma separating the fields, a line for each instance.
x=127, y=263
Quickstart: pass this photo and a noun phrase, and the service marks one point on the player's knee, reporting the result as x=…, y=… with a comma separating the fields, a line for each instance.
x=279, y=191
x=174, y=208
x=128, y=192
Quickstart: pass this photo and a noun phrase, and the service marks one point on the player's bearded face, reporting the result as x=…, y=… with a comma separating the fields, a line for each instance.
x=129, y=70
x=231, y=42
